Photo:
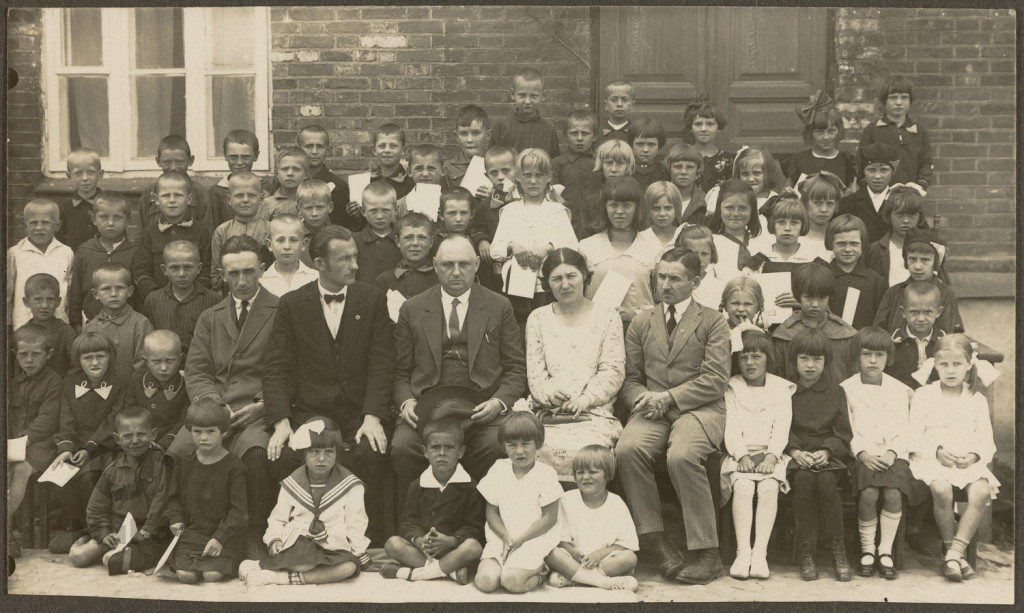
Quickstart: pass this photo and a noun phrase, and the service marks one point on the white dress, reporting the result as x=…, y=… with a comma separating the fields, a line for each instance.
x=587, y=358
x=960, y=425
x=757, y=420
x=520, y=502
x=591, y=529
x=532, y=226
x=879, y=416
x=635, y=263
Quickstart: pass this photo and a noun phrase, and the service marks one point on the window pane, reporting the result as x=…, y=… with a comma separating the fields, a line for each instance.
x=231, y=107
x=159, y=111
x=83, y=42
x=83, y=102
x=158, y=38
x=229, y=38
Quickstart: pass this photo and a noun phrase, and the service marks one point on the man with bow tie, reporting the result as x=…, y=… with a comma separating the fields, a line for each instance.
x=332, y=353
x=677, y=370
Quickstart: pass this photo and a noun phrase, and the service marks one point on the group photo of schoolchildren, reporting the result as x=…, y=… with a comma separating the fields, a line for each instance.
x=497, y=367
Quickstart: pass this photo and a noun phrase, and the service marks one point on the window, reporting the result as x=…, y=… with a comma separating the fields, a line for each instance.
x=117, y=80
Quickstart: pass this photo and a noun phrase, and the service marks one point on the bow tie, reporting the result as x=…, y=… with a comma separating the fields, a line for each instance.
x=103, y=390
x=329, y=298
x=163, y=226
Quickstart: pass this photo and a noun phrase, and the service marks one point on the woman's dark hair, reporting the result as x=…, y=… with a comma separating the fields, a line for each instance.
x=564, y=255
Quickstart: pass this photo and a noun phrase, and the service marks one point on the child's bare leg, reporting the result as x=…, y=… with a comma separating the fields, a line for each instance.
x=867, y=504
x=212, y=576
x=404, y=552
x=892, y=500
x=562, y=563
x=85, y=554
x=187, y=576
x=618, y=563
x=520, y=580
x=979, y=496
x=488, y=575
x=329, y=574
x=20, y=473
x=942, y=506
x=461, y=557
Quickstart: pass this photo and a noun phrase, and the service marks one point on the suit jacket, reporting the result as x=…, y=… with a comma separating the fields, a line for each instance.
x=226, y=362
x=497, y=365
x=307, y=372
x=694, y=370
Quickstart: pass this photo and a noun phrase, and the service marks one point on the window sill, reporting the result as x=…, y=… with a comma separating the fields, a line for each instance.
x=54, y=187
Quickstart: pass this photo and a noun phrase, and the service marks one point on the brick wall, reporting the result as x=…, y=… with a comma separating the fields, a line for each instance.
x=962, y=65
x=24, y=111
x=351, y=69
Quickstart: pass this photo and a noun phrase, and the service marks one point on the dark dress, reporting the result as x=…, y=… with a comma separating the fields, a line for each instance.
x=210, y=499
x=806, y=163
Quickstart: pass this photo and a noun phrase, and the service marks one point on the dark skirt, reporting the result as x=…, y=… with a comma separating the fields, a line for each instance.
x=188, y=555
x=305, y=551
x=897, y=476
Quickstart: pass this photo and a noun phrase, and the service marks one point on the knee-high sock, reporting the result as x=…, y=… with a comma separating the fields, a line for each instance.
x=887, y=526
x=867, y=530
x=767, y=507
x=743, y=512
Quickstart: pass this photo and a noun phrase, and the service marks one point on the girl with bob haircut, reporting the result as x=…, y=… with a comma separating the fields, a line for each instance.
x=788, y=251
x=664, y=205
x=684, y=164
x=614, y=158
x=702, y=121
x=734, y=222
x=699, y=240
x=820, y=193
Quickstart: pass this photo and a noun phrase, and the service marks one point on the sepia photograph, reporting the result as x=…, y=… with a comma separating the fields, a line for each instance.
x=510, y=303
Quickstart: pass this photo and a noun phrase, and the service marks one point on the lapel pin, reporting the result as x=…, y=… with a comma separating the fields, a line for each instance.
x=357, y=317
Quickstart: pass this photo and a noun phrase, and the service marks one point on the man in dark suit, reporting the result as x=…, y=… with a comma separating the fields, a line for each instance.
x=677, y=370
x=332, y=354
x=456, y=333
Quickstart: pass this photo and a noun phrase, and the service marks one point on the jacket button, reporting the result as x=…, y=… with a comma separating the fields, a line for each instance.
x=433, y=513
x=152, y=406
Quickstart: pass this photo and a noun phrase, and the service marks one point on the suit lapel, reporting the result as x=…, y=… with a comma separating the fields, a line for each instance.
x=352, y=313
x=476, y=319
x=226, y=320
x=258, y=316
x=684, y=329
x=433, y=316
x=659, y=330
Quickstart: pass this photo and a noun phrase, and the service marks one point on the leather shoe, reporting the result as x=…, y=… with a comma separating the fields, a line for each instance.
x=670, y=559
x=706, y=566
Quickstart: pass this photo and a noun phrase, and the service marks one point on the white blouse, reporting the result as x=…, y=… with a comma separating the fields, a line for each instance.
x=960, y=425
x=879, y=416
x=635, y=263
x=757, y=419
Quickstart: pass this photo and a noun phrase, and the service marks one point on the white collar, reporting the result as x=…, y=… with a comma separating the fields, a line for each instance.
x=273, y=272
x=28, y=245
x=680, y=308
x=237, y=302
x=324, y=292
x=618, y=126
x=429, y=481
x=463, y=299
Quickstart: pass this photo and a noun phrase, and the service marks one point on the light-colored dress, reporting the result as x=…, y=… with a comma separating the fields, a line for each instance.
x=591, y=529
x=589, y=358
x=649, y=235
x=520, y=503
x=709, y=291
x=960, y=425
x=634, y=263
x=757, y=420
x=880, y=420
x=728, y=254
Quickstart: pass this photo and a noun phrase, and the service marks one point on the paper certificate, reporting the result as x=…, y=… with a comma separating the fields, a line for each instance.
x=395, y=302
x=425, y=199
x=476, y=175
x=773, y=285
x=613, y=290
x=850, y=305
x=60, y=475
x=126, y=533
x=167, y=554
x=356, y=185
x=519, y=281
x=16, y=449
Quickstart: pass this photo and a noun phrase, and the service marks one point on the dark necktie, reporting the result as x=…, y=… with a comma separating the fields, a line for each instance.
x=453, y=320
x=670, y=325
x=329, y=298
x=243, y=314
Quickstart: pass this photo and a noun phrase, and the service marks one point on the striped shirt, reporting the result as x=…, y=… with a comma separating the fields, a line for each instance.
x=179, y=316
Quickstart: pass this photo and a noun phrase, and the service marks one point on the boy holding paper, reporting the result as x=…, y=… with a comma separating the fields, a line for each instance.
x=415, y=273
x=425, y=162
x=135, y=483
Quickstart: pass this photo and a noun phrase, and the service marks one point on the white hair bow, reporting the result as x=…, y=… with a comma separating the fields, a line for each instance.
x=987, y=373
x=914, y=186
x=300, y=439
x=742, y=149
x=736, y=336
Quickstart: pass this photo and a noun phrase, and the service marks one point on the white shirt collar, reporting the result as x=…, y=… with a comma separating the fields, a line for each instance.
x=618, y=126
x=429, y=481
x=324, y=291
x=878, y=199
x=27, y=245
x=463, y=299
x=680, y=308
x=238, y=303
x=273, y=272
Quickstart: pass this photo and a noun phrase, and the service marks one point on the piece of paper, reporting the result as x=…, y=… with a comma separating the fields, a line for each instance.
x=424, y=198
x=558, y=188
x=356, y=184
x=613, y=290
x=850, y=306
x=476, y=175
x=126, y=533
x=16, y=449
x=773, y=285
x=60, y=475
x=167, y=554
x=518, y=281
x=395, y=302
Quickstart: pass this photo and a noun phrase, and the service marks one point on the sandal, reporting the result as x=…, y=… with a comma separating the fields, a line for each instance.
x=951, y=570
x=886, y=571
x=966, y=570
x=866, y=566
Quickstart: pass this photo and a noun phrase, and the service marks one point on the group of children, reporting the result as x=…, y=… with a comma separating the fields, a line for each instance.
x=869, y=297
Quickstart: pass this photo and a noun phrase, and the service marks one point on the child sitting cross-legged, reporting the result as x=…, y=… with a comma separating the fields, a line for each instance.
x=135, y=483
x=317, y=531
x=443, y=521
x=599, y=541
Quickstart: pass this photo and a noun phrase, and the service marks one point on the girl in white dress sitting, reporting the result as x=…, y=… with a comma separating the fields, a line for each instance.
x=951, y=447
x=758, y=413
x=522, y=509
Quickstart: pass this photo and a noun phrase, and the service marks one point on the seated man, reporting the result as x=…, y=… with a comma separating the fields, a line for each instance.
x=677, y=369
x=456, y=333
x=332, y=353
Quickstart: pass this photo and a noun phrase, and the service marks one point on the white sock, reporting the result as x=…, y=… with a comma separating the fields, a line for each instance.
x=743, y=512
x=867, y=530
x=887, y=526
x=428, y=572
x=590, y=576
x=767, y=508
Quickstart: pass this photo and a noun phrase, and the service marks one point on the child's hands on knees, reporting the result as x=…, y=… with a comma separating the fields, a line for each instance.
x=945, y=458
x=745, y=465
x=275, y=547
x=212, y=549
x=967, y=460
x=110, y=541
x=873, y=462
x=767, y=465
x=803, y=459
x=821, y=457
x=178, y=528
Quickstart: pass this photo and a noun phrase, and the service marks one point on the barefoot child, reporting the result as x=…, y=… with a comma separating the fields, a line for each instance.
x=522, y=509
x=317, y=531
x=599, y=541
x=207, y=501
x=441, y=532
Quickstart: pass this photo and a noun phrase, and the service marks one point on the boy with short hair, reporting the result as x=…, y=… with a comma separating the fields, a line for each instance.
x=443, y=520
x=454, y=213
x=846, y=237
x=917, y=338
x=85, y=172
x=42, y=295
x=378, y=251
x=415, y=273
x=173, y=153
x=388, y=145
x=292, y=169
x=287, y=242
x=922, y=255
x=135, y=482
x=173, y=223
x=500, y=163
x=316, y=142
x=245, y=198
x=574, y=169
x=117, y=320
x=473, y=131
x=177, y=305
x=110, y=215
x=241, y=150
x=618, y=104
x=38, y=252
x=647, y=137
x=684, y=163
x=160, y=387
x=315, y=208
x=524, y=127
x=425, y=166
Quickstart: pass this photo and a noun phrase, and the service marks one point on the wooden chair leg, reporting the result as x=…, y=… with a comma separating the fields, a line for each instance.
x=27, y=515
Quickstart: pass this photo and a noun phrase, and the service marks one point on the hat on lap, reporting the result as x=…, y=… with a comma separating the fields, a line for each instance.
x=452, y=401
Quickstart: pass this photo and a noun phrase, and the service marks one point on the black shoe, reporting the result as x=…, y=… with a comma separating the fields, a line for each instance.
x=670, y=559
x=706, y=567
x=805, y=559
x=62, y=542
x=839, y=563
x=866, y=569
x=886, y=571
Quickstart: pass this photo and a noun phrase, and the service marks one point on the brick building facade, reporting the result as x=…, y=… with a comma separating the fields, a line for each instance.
x=350, y=69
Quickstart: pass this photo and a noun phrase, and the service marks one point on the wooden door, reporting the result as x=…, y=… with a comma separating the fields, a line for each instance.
x=757, y=64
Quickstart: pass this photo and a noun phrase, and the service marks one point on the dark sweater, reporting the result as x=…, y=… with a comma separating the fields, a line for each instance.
x=521, y=133
x=821, y=420
x=90, y=256
x=457, y=511
x=871, y=286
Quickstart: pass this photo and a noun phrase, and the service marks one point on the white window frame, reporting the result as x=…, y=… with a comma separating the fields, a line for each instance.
x=118, y=55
